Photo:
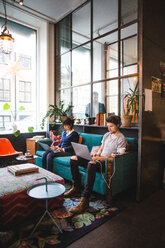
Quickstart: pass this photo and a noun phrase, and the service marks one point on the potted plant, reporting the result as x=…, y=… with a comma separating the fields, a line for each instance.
x=6, y=107
x=57, y=112
x=130, y=106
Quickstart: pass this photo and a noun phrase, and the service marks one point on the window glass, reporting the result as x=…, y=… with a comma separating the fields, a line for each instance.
x=81, y=65
x=66, y=96
x=63, y=36
x=105, y=55
x=25, y=61
x=4, y=58
x=129, y=48
x=112, y=105
x=128, y=11
x=4, y=120
x=129, y=56
x=25, y=91
x=105, y=16
x=112, y=96
x=81, y=25
x=21, y=72
x=129, y=31
x=81, y=98
x=89, y=49
x=4, y=89
x=98, y=104
x=63, y=71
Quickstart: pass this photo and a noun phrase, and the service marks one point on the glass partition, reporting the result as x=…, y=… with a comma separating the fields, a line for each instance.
x=87, y=55
x=63, y=35
x=81, y=23
x=112, y=96
x=81, y=65
x=63, y=71
x=128, y=11
x=105, y=16
x=105, y=53
x=129, y=50
x=81, y=101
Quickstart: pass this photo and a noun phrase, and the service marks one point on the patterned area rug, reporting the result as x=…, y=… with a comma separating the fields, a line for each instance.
x=47, y=235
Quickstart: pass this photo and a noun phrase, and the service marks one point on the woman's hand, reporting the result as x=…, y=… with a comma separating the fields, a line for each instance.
x=53, y=147
x=60, y=149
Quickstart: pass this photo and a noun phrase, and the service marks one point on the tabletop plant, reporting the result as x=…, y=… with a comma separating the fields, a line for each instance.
x=57, y=112
x=131, y=103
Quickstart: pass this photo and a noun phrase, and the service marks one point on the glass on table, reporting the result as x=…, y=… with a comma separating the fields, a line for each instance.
x=21, y=156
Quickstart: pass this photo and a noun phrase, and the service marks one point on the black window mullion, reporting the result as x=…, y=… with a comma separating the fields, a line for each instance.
x=91, y=110
x=119, y=53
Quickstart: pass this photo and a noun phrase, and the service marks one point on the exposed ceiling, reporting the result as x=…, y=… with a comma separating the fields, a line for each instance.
x=48, y=10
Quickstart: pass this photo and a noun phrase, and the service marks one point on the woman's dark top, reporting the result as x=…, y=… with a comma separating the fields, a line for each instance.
x=66, y=141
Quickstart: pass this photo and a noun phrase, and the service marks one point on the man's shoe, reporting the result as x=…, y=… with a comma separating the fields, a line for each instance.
x=81, y=207
x=72, y=192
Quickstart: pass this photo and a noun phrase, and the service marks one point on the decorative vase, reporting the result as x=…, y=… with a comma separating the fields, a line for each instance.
x=14, y=127
x=126, y=120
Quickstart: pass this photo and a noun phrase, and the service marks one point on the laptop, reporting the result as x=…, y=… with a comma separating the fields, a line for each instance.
x=81, y=151
x=47, y=148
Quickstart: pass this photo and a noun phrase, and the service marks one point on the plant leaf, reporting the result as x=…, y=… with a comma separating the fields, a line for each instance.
x=6, y=106
x=21, y=108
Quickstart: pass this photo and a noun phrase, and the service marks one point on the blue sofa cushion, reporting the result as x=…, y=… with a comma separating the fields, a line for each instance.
x=63, y=160
x=94, y=140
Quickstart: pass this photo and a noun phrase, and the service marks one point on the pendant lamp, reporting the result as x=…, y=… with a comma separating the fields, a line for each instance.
x=6, y=39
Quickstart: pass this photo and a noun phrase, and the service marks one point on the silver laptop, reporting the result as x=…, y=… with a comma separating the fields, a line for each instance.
x=81, y=151
x=47, y=148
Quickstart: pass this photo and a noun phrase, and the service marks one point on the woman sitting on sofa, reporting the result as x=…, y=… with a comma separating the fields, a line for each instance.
x=64, y=148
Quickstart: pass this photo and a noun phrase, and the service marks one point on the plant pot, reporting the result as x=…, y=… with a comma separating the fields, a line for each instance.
x=126, y=120
x=62, y=118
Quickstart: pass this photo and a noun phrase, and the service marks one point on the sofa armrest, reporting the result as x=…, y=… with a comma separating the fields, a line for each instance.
x=120, y=160
x=46, y=141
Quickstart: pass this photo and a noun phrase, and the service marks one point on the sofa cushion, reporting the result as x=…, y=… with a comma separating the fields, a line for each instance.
x=63, y=160
x=91, y=139
x=39, y=153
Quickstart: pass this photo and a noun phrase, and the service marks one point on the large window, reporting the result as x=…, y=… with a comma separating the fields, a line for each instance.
x=24, y=91
x=97, y=56
x=4, y=120
x=5, y=92
x=18, y=79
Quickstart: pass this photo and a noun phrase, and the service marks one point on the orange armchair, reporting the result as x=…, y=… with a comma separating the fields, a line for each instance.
x=6, y=148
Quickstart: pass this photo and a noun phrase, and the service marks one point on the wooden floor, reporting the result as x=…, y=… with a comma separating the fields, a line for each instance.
x=139, y=225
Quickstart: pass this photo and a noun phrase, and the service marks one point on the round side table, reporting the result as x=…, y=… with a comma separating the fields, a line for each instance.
x=23, y=158
x=45, y=192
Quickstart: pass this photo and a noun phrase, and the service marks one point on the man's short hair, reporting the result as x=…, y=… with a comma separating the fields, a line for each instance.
x=115, y=119
x=95, y=93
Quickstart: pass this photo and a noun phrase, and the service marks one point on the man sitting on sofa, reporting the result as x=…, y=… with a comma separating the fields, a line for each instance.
x=111, y=141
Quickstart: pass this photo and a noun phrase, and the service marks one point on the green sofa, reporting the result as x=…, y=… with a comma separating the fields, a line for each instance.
x=125, y=165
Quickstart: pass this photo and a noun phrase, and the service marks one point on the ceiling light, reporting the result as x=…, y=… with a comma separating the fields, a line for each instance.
x=6, y=40
x=21, y=2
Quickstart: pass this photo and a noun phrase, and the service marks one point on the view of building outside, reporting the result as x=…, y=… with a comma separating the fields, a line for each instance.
x=18, y=80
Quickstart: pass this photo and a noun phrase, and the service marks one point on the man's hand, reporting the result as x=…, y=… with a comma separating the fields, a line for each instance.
x=94, y=154
x=97, y=157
